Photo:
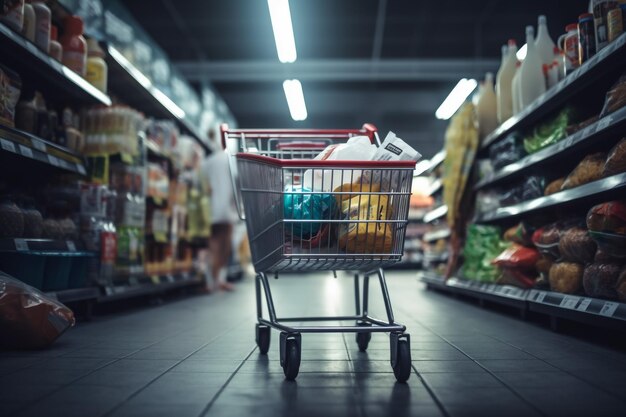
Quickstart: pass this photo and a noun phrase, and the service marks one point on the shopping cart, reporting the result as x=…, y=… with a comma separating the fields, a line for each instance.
x=310, y=215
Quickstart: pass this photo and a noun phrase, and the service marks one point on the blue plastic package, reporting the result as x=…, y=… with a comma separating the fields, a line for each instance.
x=299, y=205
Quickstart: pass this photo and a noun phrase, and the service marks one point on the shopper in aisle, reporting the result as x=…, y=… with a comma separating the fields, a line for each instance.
x=215, y=172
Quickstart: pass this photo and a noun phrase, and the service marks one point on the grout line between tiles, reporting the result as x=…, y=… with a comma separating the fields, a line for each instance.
x=431, y=392
x=230, y=378
x=355, y=386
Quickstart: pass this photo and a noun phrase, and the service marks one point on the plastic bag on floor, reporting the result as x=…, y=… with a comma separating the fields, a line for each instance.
x=29, y=319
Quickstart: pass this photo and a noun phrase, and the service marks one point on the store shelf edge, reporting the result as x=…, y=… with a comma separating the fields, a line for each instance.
x=595, y=188
x=435, y=214
x=75, y=295
x=28, y=146
x=560, y=92
x=47, y=66
x=583, y=136
x=140, y=290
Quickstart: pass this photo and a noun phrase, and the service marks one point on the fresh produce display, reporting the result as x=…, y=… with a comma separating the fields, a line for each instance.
x=482, y=245
x=566, y=277
x=616, y=161
x=588, y=170
x=549, y=132
x=575, y=245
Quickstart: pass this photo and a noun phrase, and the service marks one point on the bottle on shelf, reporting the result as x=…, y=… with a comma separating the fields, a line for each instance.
x=97, y=70
x=600, y=10
x=544, y=45
x=532, y=82
x=43, y=18
x=487, y=107
x=74, y=45
x=515, y=93
x=586, y=38
x=56, y=50
x=12, y=15
x=28, y=28
x=568, y=43
x=504, y=81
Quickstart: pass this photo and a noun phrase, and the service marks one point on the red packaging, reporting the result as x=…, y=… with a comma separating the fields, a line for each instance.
x=517, y=256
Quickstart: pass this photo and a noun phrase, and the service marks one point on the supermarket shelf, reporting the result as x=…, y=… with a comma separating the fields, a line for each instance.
x=434, y=258
x=501, y=294
x=615, y=184
x=148, y=286
x=75, y=295
x=603, y=129
x=433, y=280
x=436, y=186
x=612, y=56
x=25, y=58
x=403, y=266
x=436, y=235
x=43, y=246
x=137, y=90
x=435, y=214
x=434, y=162
x=28, y=146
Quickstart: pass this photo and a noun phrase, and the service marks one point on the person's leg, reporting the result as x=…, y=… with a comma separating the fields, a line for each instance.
x=220, y=254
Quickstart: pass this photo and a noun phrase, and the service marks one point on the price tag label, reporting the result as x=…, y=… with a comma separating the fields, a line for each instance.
x=39, y=145
x=569, y=302
x=608, y=309
x=603, y=123
x=81, y=169
x=7, y=145
x=540, y=296
x=21, y=245
x=584, y=304
x=53, y=160
x=71, y=246
x=26, y=151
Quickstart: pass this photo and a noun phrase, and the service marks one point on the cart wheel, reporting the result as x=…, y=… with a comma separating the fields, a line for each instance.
x=363, y=338
x=291, y=366
x=402, y=368
x=263, y=337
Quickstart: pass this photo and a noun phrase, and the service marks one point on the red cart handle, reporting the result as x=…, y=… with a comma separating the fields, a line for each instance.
x=368, y=130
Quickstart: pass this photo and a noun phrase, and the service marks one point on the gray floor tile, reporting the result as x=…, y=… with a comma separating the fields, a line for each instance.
x=514, y=365
x=191, y=365
x=447, y=366
x=461, y=380
x=151, y=409
x=141, y=365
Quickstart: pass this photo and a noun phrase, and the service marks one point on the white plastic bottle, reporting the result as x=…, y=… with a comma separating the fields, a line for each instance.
x=487, y=108
x=515, y=94
x=544, y=44
x=504, y=81
x=532, y=82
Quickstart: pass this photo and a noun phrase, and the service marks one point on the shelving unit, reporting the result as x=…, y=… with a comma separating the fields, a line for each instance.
x=436, y=235
x=46, y=246
x=142, y=286
x=435, y=214
x=138, y=91
x=432, y=164
x=24, y=57
x=24, y=145
x=612, y=56
x=555, y=305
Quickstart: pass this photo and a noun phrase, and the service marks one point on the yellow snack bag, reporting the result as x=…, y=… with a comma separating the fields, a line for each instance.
x=366, y=237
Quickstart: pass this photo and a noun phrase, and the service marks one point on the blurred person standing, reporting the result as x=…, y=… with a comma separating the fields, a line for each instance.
x=215, y=174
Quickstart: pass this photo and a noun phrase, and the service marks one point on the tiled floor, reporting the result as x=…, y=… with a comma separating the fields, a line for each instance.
x=196, y=356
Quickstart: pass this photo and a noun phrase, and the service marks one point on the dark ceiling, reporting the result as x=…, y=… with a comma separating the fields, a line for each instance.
x=200, y=35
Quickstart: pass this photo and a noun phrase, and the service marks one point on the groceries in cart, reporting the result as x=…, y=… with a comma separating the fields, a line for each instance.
x=349, y=208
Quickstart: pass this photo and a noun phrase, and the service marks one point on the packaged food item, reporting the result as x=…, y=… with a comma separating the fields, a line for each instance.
x=554, y=186
x=517, y=277
x=507, y=151
x=575, y=127
x=566, y=277
x=576, y=245
x=28, y=28
x=97, y=69
x=615, y=97
x=543, y=265
x=588, y=170
x=43, y=18
x=517, y=256
x=10, y=86
x=11, y=218
x=74, y=45
x=520, y=234
x=301, y=203
x=482, y=245
x=369, y=236
x=608, y=217
x=613, y=244
x=533, y=187
x=29, y=319
x=549, y=132
x=620, y=287
x=12, y=14
x=602, y=257
x=616, y=161
x=600, y=280
x=586, y=37
x=56, y=50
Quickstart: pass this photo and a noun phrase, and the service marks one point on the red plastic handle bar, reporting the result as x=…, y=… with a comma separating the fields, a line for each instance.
x=312, y=163
x=368, y=130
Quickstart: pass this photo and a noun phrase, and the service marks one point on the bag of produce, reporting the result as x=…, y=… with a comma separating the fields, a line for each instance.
x=576, y=245
x=517, y=277
x=616, y=161
x=301, y=204
x=517, y=256
x=29, y=319
x=608, y=217
x=620, y=287
x=588, y=170
x=600, y=280
x=481, y=247
x=554, y=186
x=566, y=277
x=533, y=187
x=550, y=132
x=507, y=151
x=546, y=239
x=520, y=234
x=615, y=97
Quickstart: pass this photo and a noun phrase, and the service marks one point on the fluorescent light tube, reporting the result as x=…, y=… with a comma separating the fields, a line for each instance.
x=283, y=30
x=521, y=54
x=295, y=99
x=456, y=98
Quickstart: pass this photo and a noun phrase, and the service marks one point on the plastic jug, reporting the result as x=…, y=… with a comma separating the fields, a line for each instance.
x=532, y=82
x=515, y=93
x=543, y=43
x=487, y=107
x=504, y=81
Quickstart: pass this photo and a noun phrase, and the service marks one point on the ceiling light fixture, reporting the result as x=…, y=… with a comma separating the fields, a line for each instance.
x=283, y=30
x=295, y=99
x=521, y=54
x=456, y=98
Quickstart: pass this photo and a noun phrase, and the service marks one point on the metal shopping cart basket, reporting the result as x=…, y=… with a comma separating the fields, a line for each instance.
x=304, y=214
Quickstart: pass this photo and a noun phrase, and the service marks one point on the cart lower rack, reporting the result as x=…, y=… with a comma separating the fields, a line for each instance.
x=305, y=213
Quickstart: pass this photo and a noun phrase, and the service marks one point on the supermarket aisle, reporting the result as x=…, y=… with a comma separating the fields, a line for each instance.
x=196, y=356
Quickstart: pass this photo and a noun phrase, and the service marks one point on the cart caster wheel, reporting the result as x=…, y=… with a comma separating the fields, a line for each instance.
x=291, y=365
x=363, y=338
x=263, y=337
x=401, y=363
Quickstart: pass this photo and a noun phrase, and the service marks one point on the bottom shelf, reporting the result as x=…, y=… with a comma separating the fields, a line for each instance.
x=149, y=286
x=75, y=295
x=572, y=307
